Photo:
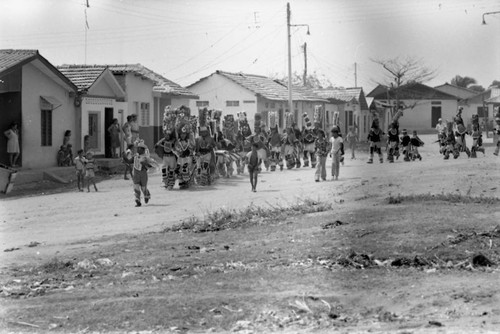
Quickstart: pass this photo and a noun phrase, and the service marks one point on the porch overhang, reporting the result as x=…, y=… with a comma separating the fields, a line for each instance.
x=49, y=102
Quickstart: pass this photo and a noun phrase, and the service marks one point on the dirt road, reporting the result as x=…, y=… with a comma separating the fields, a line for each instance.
x=65, y=221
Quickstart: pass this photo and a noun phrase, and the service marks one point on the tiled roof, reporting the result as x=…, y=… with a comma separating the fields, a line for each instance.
x=269, y=88
x=161, y=84
x=413, y=91
x=340, y=94
x=82, y=76
x=10, y=58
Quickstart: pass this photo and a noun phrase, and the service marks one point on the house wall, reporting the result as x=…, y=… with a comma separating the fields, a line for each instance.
x=420, y=117
x=217, y=89
x=34, y=84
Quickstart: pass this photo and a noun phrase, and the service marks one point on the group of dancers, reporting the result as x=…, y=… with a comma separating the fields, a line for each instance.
x=452, y=136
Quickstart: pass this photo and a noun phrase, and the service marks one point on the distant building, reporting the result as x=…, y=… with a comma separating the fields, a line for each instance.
x=423, y=106
x=350, y=105
x=37, y=96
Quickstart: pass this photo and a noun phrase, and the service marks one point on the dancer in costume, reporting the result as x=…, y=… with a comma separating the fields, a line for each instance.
x=415, y=143
x=308, y=142
x=393, y=137
x=290, y=147
x=451, y=143
x=205, y=146
x=496, y=130
x=375, y=139
x=243, y=145
x=298, y=144
x=460, y=132
x=165, y=149
x=405, y=143
x=184, y=148
x=275, y=142
x=228, y=144
x=260, y=138
x=477, y=137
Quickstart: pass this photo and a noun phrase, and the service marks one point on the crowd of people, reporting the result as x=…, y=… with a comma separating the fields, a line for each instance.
x=198, y=149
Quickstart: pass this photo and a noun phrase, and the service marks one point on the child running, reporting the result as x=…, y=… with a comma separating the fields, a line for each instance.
x=142, y=162
x=254, y=161
x=415, y=143
x=90, y=167
x=80, y=169
x=337, y=145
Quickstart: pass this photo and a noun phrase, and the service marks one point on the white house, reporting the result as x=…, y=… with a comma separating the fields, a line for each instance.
x=100, y=100
x=423, y=106
x=37, y=96
x=236, y=92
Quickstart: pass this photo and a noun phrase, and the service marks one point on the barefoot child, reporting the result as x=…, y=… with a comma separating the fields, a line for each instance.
x=321, y=150
x=90, y=166
x=80, y=170
x=254, y=160
x=142, y=162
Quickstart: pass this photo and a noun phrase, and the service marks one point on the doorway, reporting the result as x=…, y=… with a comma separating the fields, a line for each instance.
x=435, y=115
x=108, y=120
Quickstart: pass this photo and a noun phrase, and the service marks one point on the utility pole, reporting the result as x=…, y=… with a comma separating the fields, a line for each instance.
x=288, y=25
x=290, y=101
x=355, y=75
x=305, y=65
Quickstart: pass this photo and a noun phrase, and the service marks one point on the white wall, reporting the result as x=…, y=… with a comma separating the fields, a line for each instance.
x=420, y=117
x=34, y=84
x=217, y=89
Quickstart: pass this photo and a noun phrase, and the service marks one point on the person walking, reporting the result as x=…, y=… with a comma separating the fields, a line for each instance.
x=254, y=161
x=13, y=150
x=321, y=150
x=114, y=132
x=80, y=170
x=90, y=166
x=352, y=139
x=142, y=162
x=336, y=143
x=128, y=161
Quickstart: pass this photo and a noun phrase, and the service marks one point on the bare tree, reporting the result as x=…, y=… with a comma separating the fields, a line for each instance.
x=402, y=73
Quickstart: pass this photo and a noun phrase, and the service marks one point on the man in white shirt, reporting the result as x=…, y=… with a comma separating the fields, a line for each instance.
x=336, y=143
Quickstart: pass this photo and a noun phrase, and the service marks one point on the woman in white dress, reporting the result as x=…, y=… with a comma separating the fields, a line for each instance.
x=12, y=135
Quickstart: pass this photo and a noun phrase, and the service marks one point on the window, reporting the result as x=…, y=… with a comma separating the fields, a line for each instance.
x=248, y=101
x=273, y=105
x=144, y=114
x=267, y=105
x=232, y=103
x=202, y=103
x=46, y=124
x=436, y=102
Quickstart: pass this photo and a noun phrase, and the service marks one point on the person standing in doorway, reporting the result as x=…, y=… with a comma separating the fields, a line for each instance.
x=114, y=132
x=13, y=150
x=127, y=133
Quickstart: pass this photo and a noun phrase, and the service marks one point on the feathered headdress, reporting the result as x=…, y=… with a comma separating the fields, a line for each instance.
x=318, y=111
x=168, y=120
x=204, y=120
x=257, y=121
x=229, y=127
x=243, y=125
x=289, y=120
x=273, y=119
x=183, y=120
x=307, y=121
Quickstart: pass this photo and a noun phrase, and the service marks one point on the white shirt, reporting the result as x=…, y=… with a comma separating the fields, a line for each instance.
x=335, y=143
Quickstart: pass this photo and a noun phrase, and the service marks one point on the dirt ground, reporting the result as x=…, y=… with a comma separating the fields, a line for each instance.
x=409, y=247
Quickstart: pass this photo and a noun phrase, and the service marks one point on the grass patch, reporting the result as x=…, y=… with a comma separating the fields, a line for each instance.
x=252, y=215
x=450, y=197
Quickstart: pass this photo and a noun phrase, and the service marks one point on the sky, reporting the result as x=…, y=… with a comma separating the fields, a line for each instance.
x=186, y=40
